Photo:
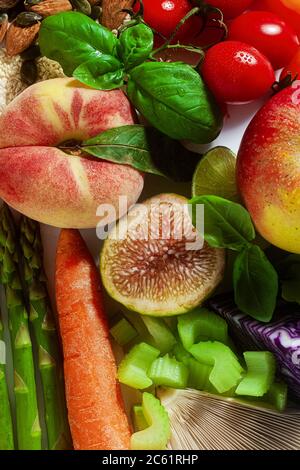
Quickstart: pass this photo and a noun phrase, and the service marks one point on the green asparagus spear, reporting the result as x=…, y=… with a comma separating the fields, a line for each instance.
x=6, y=429
x=28, y=424
x=44, y=330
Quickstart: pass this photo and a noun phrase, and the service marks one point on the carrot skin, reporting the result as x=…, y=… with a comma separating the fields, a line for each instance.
x=95, y=406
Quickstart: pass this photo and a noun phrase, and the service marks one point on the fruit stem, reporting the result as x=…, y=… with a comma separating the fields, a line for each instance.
x=197, y=50
x=285, y=82
x=141, y=9
x=191, y=13
x=137, y=18
x=217, y=23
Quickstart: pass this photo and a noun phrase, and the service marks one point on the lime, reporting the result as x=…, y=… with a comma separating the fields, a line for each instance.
x=215, y=175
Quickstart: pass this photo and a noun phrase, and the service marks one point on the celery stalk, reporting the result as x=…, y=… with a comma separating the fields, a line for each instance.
x=201, y=324
x=153, y=331
x=226, y=369
x=123, y=332
x=180, y=353
x=168, y=372
x=261, y=368
x=198, y=374
x=136, y=321
x=277, y=395
x=133, y=369
x=157, y=434
x=164, y=340
x=138, y=418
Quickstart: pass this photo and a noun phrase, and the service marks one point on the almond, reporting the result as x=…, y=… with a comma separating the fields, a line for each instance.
x=50, y=7
x=19, y=38
x=112, y=15
x=6, y=4
x=3, y=26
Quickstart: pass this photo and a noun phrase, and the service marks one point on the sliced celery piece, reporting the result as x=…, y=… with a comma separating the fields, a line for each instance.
x=133, y=369
x=168, y=372
x=180, y=353
x=228, y=394
x=198, y=374
x=156, y=436
x=164, y=340
x=277, y=395
x=138, y=418
x=261, y=368
x=123, y=332
x=226, y=369
x=201, y=324
x=137, y=322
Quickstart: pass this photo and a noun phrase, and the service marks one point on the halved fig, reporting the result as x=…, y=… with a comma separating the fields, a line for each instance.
x=154, y=263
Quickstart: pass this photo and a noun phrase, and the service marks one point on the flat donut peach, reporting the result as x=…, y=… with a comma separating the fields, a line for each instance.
x=47, y=184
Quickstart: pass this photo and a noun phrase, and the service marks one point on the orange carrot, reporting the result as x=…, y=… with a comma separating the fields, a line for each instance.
x=95, y=407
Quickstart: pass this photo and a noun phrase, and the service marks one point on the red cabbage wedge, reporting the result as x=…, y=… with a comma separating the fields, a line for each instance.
x=281, y=336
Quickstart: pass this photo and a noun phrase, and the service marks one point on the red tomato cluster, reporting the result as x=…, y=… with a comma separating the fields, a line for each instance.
x=237, y=74
x=164, y=15
x=288, y=10
x=268, y=33
x=260, y=41
x=231, y=8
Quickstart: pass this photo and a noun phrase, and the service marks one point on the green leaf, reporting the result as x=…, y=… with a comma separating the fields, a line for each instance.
x=135, y=45
x=175, y=100
x=72, y=38
x=105, y=73
x=255, y=284
x=145, y=149
x=290, y=278
x=226, y=223
x=126, y=145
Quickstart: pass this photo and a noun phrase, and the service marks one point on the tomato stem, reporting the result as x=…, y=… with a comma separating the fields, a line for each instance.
x=189, y=48
x=137, y=18
x=166, y=45
x=285, y=82
x=203, y=9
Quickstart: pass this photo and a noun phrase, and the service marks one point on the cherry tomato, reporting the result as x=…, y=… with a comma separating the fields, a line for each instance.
x=164, y=15
x=292, y=4
x=293, y=67
x=231, y=8
x=236, y=72
x=268, y=33
x=289, y=10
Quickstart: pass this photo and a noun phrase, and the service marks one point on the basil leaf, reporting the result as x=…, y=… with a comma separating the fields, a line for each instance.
x=72, y=38
x=135, y=45
x=175, y=100
x=126, y=145
x=145, y=149
x=255, y=284
x=105, y=73
x=226, y=223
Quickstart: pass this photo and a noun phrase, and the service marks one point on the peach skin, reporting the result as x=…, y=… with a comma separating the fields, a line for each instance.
x=47, y=184
x=268, y=169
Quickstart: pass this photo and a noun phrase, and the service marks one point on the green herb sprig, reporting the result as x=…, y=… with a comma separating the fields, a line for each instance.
x=171, y=96
x=144, y=148
x=228, y=225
